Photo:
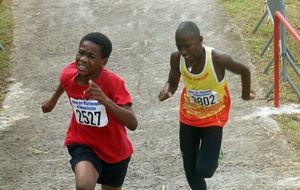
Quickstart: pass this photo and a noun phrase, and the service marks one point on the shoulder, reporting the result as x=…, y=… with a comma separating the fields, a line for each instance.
x=113, y=85
x=110, y=75
x=70, y=68
x=175, y=56
x=220, y=58
x=175, y=60
x=110, y=79
x=224, y=61
x=68, y=72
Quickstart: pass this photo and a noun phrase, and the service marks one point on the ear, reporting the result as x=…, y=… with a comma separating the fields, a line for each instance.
x=201, y=39
x=104, y=62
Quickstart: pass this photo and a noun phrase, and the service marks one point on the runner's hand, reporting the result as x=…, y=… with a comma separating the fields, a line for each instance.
x=48, y=105
x=164, y=93
x=95, y=92
x=250, y=97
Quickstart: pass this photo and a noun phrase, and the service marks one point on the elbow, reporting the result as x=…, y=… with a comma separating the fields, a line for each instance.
x=245, y=71
x=133, y=125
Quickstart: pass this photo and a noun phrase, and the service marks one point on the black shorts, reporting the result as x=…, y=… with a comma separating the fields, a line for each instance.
x=110, y=174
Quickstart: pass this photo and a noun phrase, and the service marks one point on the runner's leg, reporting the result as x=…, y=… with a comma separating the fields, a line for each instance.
x=189, y=145
x=86, y=175
x=106, y=187
x=207, y=159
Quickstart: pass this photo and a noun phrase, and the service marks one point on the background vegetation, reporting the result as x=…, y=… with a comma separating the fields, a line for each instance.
x=245, y=14
x=6, y=33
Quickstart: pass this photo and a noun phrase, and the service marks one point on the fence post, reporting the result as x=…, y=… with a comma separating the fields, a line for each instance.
x=285, y=55
x=278, y=17
x=276, y=62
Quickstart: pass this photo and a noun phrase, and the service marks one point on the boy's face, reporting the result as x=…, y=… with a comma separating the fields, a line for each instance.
x=189, y=47
x=89, y=58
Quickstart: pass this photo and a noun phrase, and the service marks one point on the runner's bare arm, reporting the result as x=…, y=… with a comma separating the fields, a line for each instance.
x=123, y=113
x=174, y=76
x=225, y=62
x=48, y=105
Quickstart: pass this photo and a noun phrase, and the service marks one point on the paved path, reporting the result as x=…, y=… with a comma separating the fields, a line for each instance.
x=46, y=37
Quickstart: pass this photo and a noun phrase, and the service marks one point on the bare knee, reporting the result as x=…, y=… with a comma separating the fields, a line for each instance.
x=86, y=176
x=85, y=185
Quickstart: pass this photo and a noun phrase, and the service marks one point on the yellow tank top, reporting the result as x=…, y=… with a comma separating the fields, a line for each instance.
x=204, y=100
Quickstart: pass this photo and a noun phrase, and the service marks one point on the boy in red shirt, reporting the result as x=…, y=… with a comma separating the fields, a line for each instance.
x=96, y=138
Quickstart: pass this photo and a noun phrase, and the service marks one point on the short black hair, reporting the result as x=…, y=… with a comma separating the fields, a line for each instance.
x=101, y=40
x=188, y=29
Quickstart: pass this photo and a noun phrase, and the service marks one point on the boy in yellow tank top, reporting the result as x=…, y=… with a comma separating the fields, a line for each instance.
x=204, y=102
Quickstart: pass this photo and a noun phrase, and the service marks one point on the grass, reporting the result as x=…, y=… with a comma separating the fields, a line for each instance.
x=245, y=14
x=6, y=27
x=290, y=126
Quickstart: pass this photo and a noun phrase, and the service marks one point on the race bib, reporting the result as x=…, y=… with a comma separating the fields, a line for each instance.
x=203, y=97
x=89, y=112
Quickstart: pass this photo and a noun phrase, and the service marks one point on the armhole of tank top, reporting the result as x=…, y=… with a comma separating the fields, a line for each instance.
x=182, y=65
x=213, y=67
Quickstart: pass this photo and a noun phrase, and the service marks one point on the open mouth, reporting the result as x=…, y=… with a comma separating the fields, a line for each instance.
x=188, y=58
x=81, y=67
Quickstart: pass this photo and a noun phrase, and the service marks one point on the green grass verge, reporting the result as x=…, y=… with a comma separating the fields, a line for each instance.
x=290, y=126
x=245, y=14
x=6, y=36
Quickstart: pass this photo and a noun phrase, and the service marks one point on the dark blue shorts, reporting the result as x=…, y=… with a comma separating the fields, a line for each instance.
x=110, y=174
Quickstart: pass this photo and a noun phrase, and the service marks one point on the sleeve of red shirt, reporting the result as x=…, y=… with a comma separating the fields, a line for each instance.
x=67, y=73
x=121, y=95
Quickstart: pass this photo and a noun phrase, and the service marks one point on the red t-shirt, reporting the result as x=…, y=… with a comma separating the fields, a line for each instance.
x=110, y=142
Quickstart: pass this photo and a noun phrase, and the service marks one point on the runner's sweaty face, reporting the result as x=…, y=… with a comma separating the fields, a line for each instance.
x=89, y=59
x=189, y=47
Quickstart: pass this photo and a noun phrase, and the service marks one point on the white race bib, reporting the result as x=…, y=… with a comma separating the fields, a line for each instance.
x=203, y=97
x=89, y=112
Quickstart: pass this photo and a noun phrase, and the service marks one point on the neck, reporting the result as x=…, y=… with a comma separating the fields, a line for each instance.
x=84, y=79
x=200, y=57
